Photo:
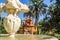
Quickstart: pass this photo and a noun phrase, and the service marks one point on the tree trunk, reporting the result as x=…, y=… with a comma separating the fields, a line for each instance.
x=36, y=21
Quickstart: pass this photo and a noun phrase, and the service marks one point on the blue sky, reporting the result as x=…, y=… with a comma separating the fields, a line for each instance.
x=27, y=2
x=48, y=2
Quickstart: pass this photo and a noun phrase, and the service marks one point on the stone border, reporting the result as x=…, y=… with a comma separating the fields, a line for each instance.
x=36, y=37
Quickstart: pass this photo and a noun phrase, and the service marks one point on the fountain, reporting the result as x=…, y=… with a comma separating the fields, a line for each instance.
x=12, y=22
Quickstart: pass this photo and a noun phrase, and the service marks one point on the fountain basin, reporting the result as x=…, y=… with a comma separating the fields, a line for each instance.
x=27, y=37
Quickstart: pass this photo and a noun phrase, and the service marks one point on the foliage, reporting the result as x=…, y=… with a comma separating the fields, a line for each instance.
x=54, y=22
x=2, y=30
x=40, y=25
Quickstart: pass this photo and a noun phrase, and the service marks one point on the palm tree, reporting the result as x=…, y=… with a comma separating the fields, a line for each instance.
x=36, y=7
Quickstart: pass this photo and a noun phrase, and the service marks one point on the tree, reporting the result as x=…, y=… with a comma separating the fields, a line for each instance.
x=54, y=22
x=36, y=8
